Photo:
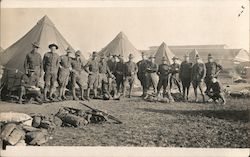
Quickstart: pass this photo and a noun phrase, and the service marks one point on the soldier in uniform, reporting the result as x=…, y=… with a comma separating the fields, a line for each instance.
x=197, y=76
x=111, y=64
x=119, y=73
x=185, y=76
x=175, y=67
x=77, y=67
x=213, y=69
x=131, y=70
x=164, y=72
x=215, y=92
x=63, y=73
x=29, y=86
x=151, y=74
x=141, y=74
x=33, y=60
x=92, y=68
x=50, y=67
x=104, y=74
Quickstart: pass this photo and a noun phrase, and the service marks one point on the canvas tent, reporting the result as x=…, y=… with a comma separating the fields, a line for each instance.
x=45, y=33
x=164, y=51
x=120, y=45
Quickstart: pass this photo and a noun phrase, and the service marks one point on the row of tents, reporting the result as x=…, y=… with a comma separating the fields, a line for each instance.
x=45, y=33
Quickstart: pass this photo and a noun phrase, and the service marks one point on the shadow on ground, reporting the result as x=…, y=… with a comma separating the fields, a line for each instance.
x=231, y=115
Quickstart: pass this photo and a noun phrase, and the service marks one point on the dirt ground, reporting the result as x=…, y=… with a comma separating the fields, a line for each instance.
x=153, y=124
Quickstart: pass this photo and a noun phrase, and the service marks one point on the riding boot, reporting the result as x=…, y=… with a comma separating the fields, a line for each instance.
x=45, y=94
x=88, y=93
x=74, y=94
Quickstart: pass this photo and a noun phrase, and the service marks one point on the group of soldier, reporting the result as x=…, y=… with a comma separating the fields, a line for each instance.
x=114, y=77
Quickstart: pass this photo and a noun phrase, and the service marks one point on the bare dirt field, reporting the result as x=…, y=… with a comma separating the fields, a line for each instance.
x=153, y=124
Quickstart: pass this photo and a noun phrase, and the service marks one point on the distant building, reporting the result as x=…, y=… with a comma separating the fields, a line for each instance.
x=222, y=54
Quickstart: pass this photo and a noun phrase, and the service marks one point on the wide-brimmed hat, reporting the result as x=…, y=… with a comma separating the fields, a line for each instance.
x=151, y=57
x=31, y=70
x=143, y=53
x=164, y=59
x=69, y=50
x=78, y=53
x=120, y=56
x=94, y=53
x=209, y=55
x=130, y=56
x=51, y=45
x=197, y=56
x=35, y=44
x=102, y=56
x=175, y=58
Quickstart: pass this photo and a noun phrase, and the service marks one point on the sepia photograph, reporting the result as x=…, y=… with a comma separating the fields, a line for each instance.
x=146, y=76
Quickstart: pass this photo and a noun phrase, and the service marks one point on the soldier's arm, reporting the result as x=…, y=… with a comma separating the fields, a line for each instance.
x=41, y=65
x=136, y=68
x=218, y=68
x=44, y=62
x=180, y=71
x=204, y=71
x=86, y=67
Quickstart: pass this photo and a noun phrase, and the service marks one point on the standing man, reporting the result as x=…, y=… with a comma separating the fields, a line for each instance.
x=185, y=76
x=50, y=67
x=198, y=74
x=77, y=67
x=151, y=74
x=131, y=70
x=213, y=70
x=164, y=72
x=175, y=67
x=63, y=73
x=104, y=73
x=92, y=68
x=141, y=74
x=33, y=61
x=112, y=65
x=119, y=74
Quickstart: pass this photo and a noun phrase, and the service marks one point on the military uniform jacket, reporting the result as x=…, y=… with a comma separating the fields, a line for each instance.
x=198, y=71
x=175, y=68
x=33, y=60
x=103, y=68
x=51, y=62
x=152, y=67
x=212, y=68
x=77, y=65
x=120, y=68
x=130, y=68
x=142, y=66
x=185, y=70
x=216, y=87
x=92, y=66
x=163, y=70
x=111, y=65
x=65, y=61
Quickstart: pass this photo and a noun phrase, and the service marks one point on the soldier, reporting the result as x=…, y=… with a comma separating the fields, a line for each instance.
x=141, y=74
x=111, y=64
x=104, y=73
x=164, y=76
x=50, y=67
x=213, y=70
x=216, y=94
x=92, y=68
x=185, y=76
x=175, y=67
x=63, y=73
x=197, y=76
x=131, y=70
x=33, y=60
x=119, y=73
x=29, y=86
x=151, y=74
x=77, y=67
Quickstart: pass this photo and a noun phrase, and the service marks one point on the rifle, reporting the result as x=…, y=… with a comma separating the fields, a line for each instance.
x=99, y=112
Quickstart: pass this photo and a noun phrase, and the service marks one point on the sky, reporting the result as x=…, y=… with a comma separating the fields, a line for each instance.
x=174, y=22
